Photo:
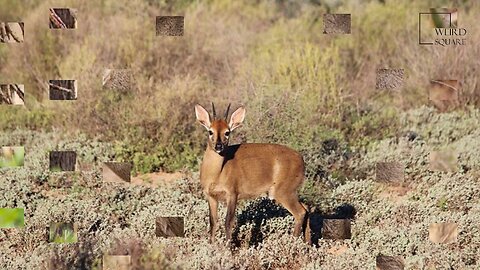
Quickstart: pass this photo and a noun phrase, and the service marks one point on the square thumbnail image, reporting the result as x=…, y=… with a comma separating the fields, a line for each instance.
x=12, y=32
x=117, y=262
x=444, y=17
x=444, y=94
x=116, y=171
x=388, y=78
x=62, y=161
x=169, y=227
x=63, y=18
x=169, y=25
x=117, y=79
x=12, y=156
x=60, y=232
x=12, y=218
x=12, y=94
x=337, y=23
x=62, y=89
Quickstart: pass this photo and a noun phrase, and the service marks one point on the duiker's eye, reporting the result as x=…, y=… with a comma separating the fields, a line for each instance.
x=227, y=133
x=210, y=132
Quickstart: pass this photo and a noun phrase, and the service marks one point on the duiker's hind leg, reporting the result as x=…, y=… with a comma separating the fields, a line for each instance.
x=291, y=203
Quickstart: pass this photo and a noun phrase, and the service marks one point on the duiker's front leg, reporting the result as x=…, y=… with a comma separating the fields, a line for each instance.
x=231, y=206
x=213, y=214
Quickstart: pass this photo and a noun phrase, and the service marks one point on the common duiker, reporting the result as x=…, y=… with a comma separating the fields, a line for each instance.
x=229, y=173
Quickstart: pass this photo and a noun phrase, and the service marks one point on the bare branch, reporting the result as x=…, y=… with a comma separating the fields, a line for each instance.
x=19, y=92
x=56, y=20
x=60, y=88
x=11, y=33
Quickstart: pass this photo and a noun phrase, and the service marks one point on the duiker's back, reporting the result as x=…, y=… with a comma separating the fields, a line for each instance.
x=256, y=168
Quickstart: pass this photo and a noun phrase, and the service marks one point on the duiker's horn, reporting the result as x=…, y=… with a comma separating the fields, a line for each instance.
x=226, y=113
x=213, y=111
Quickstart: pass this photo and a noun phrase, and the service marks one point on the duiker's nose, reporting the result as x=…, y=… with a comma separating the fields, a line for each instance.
x=219, y=146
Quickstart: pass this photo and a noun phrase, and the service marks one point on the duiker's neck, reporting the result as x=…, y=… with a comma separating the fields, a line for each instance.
x=212, y=162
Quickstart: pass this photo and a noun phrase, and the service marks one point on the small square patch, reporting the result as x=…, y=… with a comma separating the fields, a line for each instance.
x=117, y=79
x=389, y=172
x=60, y=232
x=389, y=78
x=12, y=94
x=443, y=233
x=12, y=32
x=336, y=229
x=12, y=156
x=169, y=227
x=63, y=18
x=117, y=262
x=116, y=171
x=169, y=25
x=62, y=160
x=62, y=89
x=12, y=218
x=337, y=23
x=443, y=161
x=444, y=94
x=390, y=262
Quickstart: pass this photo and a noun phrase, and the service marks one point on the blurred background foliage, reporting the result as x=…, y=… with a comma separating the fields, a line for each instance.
x=62, y=233
x=11, y=218
x=300, y=87
x=12, y=156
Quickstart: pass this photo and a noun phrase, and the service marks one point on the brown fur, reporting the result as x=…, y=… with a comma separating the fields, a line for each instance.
x=248, y=171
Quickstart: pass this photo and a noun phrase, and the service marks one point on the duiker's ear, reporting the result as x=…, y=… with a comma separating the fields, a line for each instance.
x=202, y=116
x=237, y=118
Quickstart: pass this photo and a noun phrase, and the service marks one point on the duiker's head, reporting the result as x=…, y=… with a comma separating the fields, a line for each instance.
x=218, y=129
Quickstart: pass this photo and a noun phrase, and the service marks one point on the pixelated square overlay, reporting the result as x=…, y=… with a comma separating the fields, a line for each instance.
x=444, y=94
x=336, y=229
x=117, y=262
x=12, y=94
x=443, y=233
x=62, y=161
x=12, y=156
x=436, y=18
x=337, y=23
x=12, y=218
x=444, y=17
x=443, y=161
x=390, y=262
x=12, y=32
x=170, y=25
x=117, y=79
x=116, y=171
x=390, y=172
x=388, y=78
x=63, y=18
x=62, y=232
x=62, y=89
x=169, y=227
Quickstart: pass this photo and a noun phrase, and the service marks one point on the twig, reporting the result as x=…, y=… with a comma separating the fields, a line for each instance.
x=19, y=92
x=61, y=88
x=444, y=84
x=55, y=19
x=10, y=32
x=3, y=34
x=22, y=26
x=5, y=94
